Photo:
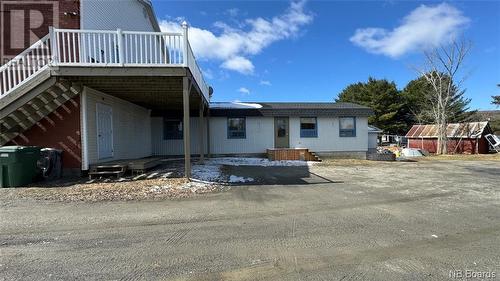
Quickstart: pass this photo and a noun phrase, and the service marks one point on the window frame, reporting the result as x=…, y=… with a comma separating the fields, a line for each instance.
x=168, y=136
x=314, y=131
x=229, y=135
x=342, y=132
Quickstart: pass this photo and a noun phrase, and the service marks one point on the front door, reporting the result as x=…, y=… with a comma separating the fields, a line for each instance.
x=281, y=132
x=104, y=131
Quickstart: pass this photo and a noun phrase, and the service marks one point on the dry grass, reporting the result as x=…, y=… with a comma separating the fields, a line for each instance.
x=462, y=157
x=115, y=191
x=348, y=162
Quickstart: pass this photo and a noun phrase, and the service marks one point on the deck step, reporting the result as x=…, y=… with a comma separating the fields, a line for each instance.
x=110, y=170
x=292, y=154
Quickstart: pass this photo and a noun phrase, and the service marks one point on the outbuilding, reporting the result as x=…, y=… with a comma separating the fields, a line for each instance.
x=466, y=138
x=373, y=133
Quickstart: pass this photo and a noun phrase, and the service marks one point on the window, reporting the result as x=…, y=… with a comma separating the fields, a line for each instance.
x=308, y=127
x=236, y=128
x=172, y=129
x=347, y=126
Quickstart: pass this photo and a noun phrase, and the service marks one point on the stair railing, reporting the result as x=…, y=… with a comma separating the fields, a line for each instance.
x=25, y=66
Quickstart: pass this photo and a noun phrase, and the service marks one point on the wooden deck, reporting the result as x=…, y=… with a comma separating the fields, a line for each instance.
x=120, y=167
x=303, y=154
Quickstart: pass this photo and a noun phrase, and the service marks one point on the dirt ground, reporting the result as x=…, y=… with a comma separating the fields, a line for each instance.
x=339, y=220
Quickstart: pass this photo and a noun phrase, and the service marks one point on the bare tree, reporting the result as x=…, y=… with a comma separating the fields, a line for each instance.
x=441, y=69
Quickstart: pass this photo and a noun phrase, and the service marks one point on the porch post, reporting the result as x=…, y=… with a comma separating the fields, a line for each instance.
x=185, y=129
x=201, y=137
x=208, y=132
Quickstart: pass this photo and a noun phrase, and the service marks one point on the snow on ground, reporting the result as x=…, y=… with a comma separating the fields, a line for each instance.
x=207, y=172
x=234, y=179
x=211, y=172
x=238, y=161
x=193, y=186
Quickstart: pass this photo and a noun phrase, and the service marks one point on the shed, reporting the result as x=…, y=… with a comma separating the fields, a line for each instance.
x=373, y=138
x=466, y=138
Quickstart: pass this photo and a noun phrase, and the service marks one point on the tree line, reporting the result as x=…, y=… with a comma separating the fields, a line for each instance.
x=395, y=111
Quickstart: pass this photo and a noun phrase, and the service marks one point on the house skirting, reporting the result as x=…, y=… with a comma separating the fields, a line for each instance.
x=342, y=154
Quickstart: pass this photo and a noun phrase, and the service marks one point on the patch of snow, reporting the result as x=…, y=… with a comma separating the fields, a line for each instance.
x=167, y=175
x=152, y=175
x=210, y=170
x=237, y=105
x=434, y=235
x=242, y=161
x=234, y=179
x=207, y=172
x=141, y=176
x=193, y=186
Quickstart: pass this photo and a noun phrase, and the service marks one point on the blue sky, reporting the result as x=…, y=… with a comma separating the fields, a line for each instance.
x=310, y=51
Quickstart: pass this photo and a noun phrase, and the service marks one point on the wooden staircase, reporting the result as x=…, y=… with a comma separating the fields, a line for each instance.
x=16, y=119
x=314, y=157
x=299, y=154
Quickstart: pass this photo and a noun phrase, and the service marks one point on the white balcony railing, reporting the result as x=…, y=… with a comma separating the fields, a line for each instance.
x=74, y=47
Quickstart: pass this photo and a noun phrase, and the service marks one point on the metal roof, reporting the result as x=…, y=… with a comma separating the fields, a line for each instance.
x=289, y=109
x=454, y=130
x=373, y=129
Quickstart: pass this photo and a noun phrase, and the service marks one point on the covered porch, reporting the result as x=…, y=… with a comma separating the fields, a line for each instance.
x=119, y=79
x=169, y=92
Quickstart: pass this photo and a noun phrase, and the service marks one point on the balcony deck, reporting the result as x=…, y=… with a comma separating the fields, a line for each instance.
x=124, y=58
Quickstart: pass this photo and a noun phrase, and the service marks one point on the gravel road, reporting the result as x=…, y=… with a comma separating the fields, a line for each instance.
x=377, y=221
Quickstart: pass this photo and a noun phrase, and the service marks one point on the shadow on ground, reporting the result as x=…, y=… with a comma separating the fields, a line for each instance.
x=272, y=175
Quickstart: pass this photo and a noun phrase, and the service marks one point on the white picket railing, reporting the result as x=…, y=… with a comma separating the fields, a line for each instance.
x=73, y=47
x=24, y=66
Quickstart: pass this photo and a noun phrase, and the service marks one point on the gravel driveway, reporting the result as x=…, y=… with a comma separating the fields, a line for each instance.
x=333, y=221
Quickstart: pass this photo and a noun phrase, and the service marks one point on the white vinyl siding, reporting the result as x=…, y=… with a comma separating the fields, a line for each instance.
x=260, y=136
x=169, y=147
x=131, y=127
x=328, y=139
x=129, y=15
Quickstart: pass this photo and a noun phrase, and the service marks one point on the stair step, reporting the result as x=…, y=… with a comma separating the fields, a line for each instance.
x=36, y=109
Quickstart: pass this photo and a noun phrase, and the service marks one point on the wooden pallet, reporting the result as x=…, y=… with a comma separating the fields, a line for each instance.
x=107, y=170
x=119, y=167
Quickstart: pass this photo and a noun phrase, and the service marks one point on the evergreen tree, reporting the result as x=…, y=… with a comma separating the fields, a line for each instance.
x=496, y=99
x=417, y=107
x=383, y=97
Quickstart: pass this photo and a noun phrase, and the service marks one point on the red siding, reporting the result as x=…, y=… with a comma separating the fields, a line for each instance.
x=67, y=16
x=465, y=146
x=61, y=130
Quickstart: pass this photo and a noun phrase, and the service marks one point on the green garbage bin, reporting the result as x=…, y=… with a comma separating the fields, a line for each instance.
x=18, y=165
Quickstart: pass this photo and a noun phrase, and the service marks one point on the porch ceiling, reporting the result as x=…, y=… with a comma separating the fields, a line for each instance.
x=153, y=89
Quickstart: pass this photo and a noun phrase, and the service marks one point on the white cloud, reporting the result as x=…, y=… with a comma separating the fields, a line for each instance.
x=234, y=45
x=244, y=91
x=239, y=64
x=233, y=12
x=265, y=82
x=424, y=27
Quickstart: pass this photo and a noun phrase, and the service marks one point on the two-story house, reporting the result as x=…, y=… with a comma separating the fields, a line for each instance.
x=103, y=83
x=93, y=83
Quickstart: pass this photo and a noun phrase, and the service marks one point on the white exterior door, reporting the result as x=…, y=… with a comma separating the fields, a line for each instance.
x=104, y=131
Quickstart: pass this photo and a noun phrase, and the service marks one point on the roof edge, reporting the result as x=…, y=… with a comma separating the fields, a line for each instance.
x=151, y=13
